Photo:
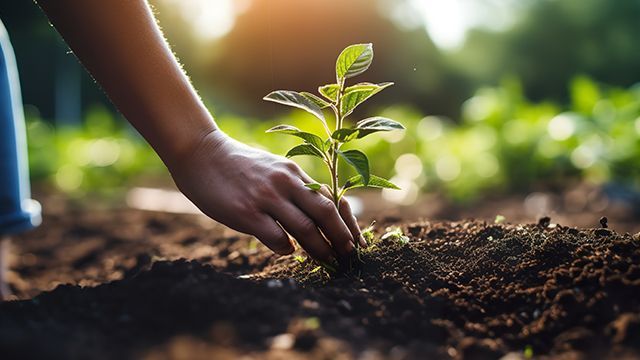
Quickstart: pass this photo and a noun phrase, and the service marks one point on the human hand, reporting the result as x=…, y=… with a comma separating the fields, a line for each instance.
x=262, y=194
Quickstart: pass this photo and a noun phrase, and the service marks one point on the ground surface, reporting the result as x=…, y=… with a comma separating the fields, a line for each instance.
x=471, y=290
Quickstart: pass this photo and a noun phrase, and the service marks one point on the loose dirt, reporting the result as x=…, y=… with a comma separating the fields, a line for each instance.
x=471, y=289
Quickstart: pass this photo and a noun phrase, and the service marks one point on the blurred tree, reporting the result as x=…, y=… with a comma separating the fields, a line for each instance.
x=47, y=68
x=556, y=40
x=291, y=44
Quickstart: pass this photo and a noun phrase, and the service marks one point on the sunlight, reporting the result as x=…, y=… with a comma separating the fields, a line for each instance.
x=447, y=21
x=210, y=19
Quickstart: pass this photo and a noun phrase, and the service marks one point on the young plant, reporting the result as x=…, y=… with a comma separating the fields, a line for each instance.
x=395, y=234
x=342, y=100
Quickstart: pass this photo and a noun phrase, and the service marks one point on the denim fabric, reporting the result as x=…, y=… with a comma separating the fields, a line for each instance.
x=17, y=211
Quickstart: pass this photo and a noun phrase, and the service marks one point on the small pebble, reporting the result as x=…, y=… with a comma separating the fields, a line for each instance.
x=344, y=305
x=274, y=284
x=603, y=222
x=283, y=342
x=544, y=221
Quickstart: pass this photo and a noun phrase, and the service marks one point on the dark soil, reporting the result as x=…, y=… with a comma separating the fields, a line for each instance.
x=472, y=290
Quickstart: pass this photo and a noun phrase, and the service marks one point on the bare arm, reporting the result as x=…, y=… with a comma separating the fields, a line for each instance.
x=244, y=188
x=120, y=44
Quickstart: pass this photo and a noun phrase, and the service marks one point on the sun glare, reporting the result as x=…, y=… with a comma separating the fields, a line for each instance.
x=447, y=21
x=210, y=19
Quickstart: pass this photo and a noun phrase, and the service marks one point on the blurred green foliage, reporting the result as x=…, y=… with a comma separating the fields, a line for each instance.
x=545, y=44
x=102, y=156
x=552, y=42
x=503, y=143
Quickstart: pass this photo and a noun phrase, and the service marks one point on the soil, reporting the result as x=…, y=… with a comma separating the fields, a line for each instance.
x=165, y=286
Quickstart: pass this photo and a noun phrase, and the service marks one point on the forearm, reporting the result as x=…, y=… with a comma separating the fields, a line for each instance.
x=120, y=44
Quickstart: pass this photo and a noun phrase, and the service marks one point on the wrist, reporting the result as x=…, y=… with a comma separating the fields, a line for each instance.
x=207, y=140
x=176, y=134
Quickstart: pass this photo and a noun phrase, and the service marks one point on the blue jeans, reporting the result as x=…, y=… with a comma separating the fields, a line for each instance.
x=17, y=211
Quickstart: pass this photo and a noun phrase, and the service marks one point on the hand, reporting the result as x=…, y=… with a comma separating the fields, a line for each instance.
x=258, y=193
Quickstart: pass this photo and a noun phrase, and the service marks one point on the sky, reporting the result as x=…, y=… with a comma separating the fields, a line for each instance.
x=446, y=20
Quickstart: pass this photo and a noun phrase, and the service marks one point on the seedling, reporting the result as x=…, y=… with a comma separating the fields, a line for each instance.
x=343, y=100
x=528, y=352
x=395, y=234
x=500, y=219
x=300, y=259
x=367, y=233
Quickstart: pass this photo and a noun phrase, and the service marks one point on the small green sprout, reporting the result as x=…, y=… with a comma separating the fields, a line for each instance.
x=342, y=100
x=301, y=259
x=367, y=233
x=311, y=323
x=500, y=219
x=395, y=234
x=528, y=352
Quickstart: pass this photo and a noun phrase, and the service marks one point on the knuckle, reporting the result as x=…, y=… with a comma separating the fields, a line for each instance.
x=306, y=227
x=326, y=207
x=291, y=166
x=249, y=211
x=264, y=191
x=281, y=177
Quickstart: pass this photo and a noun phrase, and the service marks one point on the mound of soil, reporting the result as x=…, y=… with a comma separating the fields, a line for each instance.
x=472, y=290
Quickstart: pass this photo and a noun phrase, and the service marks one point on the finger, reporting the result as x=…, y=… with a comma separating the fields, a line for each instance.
x=344, y=210
x=301, y=227
x=271, y=234
x=325, y=215
x=352, y=222
x=347, y=215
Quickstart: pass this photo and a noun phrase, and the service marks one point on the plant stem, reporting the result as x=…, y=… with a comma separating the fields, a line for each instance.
x=334, y=177
x=335, y=147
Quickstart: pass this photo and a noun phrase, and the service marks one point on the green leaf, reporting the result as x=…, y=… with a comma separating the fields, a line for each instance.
x=366, y=127
x=329, y=91
x=374, y=181
x=367, y=86
x=315, y=99
x=305, y=149
x=375, y=124
x=295, y=99
x=314, y=186
x=345, y=135
x=396, y=234
x=354, y=60
x=359, y=161
x=312, y=139
x=358, y=94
